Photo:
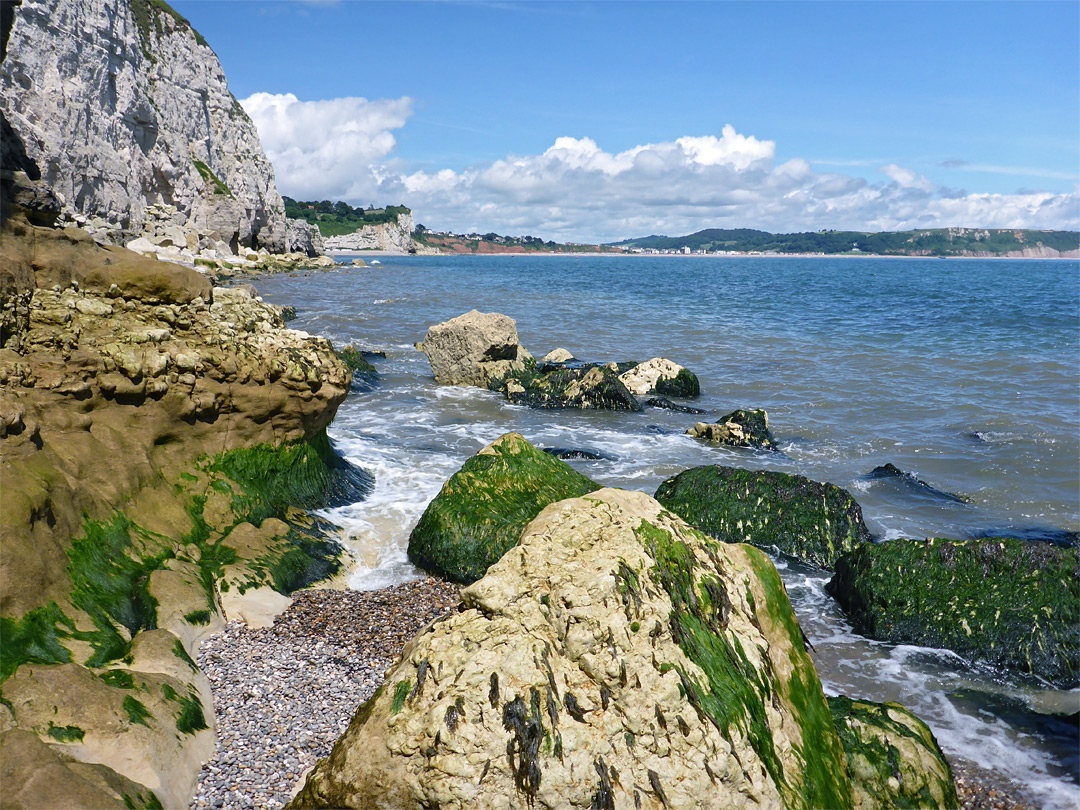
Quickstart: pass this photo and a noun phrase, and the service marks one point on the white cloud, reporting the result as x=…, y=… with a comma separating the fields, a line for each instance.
x=327, y=149
x=577, y=191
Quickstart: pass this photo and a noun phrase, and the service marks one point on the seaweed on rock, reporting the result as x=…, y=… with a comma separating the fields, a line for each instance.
x=484, y=507
x=808, y=520
x=1007, y=602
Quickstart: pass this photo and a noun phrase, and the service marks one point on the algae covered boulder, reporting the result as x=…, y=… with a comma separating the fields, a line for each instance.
x=738, y=429
x=1008, y=602
x=484, y=507
x=810, y=521
x=616, y=658
x=893, y=759
x=588, y=387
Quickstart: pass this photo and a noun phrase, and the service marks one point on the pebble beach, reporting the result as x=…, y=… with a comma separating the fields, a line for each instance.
x=284, y=694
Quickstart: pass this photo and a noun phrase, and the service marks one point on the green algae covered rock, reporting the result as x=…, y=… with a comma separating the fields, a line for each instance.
x=810, y=521
x=893, y=759
x=615, y=658
x=364, y=375
x=482, y=510
x=738, y=429
x=587, y=387
x=1008, y=602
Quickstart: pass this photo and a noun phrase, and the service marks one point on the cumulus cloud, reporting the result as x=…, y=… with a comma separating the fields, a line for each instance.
x=575, y=190
x=327, y=149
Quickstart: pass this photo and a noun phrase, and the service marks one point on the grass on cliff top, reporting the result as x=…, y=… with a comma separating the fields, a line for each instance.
x=736, y=694
x=148, y=14
x=485, y=506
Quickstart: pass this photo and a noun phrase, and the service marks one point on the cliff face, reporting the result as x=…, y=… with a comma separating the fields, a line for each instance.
x=121, y=106
x=392, y=236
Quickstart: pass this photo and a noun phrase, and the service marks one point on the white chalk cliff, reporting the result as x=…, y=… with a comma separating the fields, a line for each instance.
x=125, y=111
x=391, y=236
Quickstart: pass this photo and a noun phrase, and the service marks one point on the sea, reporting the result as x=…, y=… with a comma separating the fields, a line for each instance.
x=963, y=373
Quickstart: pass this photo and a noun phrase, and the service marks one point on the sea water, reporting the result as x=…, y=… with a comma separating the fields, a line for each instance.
x=962, y=372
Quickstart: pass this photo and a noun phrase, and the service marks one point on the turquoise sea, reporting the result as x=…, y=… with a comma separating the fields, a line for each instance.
x=963, y=372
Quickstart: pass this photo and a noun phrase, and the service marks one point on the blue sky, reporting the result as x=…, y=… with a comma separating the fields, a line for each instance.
x=607, y=120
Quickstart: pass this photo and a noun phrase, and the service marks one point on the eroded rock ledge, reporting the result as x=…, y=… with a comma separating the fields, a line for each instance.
x=157, y=434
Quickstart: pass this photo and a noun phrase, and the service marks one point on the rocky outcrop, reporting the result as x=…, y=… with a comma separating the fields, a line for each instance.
x=303, y=237
x=158, y=435
x=1008, y=602
x=395, y=237
x=892, y=757
x=810, y=521
x=615, y=658
x=912, y=484
x=585, y=387
x=738, y=429
x=474, y=349
x=482, y=510
x=559, y=355
x=123, y=111
x=661, y=376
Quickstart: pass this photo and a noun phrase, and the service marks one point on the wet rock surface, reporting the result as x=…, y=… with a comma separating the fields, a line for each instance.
x=1008, y=602
x=741, y=428
x=808, y=520
x=482, y=510
x=474, y=349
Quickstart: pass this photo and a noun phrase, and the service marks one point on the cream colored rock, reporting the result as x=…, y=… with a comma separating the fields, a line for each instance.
x=557, y=356
x=642, y=378
x=394, y=236
x=727, y=433
x=473, y=349
x=616, y=658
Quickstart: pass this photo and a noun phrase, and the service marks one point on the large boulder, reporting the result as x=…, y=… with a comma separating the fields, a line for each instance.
x=616, y=658
x=474, y=349
x=661, y=376
x=588, y=387
x=1008, y=602
x=738, y=429
x=892, y=757
x=482, y=510
x=805, y=519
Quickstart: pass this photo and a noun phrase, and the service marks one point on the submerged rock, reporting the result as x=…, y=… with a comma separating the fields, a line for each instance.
x=575, y=452
x=668, y=405
x=474, y=349
x=482, y=510
x=1007, y=602
x=364, y=375
x=588, y=388
x=739, y=429
x=614, y=658
x=810, y=521
x=661, y=376
x=893, y=758
x=909, y=480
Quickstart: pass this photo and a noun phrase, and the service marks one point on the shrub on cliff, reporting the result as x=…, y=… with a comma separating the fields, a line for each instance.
x=482, y=510
x=808, y=520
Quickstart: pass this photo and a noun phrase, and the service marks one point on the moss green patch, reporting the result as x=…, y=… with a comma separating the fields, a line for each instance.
x=892, y=756
x=149, y=18
x=684, y=384
x=142, y=801
x=483, y=509
x=120, y=678
x=136, y=711
x=212, y=179
x=190, y=718
x=201, y=617
x=35, y=639
x=400, y=693
x=589, y=387
x=110, y=571
x=810, y=521
x=66, y=734
x=364, y=375
x=1008, y=602
x=182, y=654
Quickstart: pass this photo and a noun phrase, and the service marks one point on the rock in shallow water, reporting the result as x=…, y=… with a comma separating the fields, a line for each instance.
x=473, y=349
x=482, y=510
x=738, y=429
x=1008, y=602
x=810, y=521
